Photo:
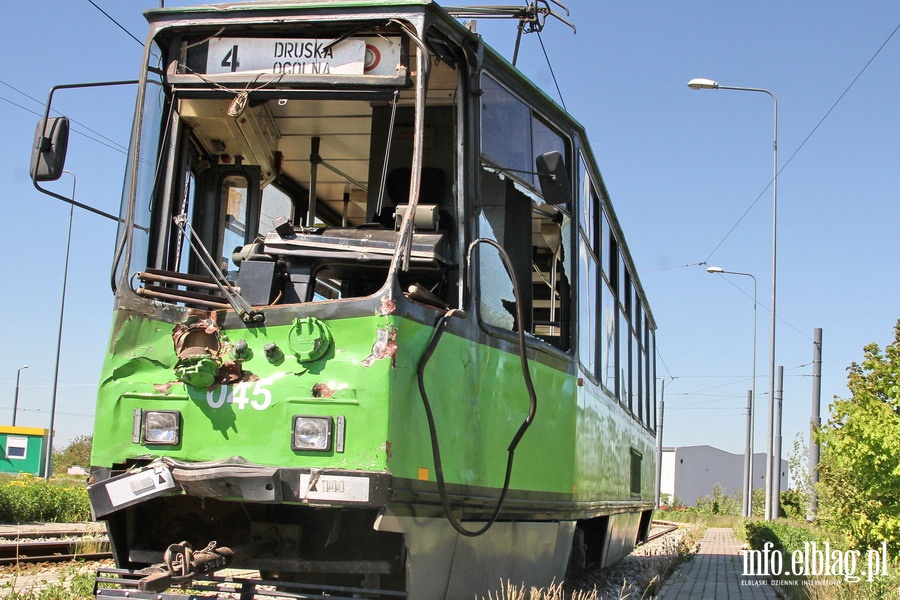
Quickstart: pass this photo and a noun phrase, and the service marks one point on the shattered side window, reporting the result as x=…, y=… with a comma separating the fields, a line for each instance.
x=496, y=298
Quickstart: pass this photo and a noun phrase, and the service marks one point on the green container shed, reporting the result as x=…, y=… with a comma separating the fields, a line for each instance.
x=24, y=449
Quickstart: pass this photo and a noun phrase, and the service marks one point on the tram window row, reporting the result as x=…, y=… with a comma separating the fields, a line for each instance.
x=617, y=339
x=614, y=329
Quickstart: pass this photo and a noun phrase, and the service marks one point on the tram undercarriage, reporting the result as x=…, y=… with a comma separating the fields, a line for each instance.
x=167, y=539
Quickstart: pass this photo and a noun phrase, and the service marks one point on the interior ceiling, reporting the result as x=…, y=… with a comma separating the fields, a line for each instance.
x=288, y=127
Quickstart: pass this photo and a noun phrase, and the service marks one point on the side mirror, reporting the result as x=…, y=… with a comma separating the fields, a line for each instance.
x=555, y=186
x=48, y=156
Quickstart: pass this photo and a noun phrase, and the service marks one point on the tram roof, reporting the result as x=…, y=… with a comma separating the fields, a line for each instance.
x=261, y=5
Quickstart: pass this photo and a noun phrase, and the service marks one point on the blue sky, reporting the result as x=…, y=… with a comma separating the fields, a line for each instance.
x=681, y=166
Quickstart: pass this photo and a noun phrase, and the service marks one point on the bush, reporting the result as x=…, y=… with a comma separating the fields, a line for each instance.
x=859, y=485
x=29, y=498
x=793, y=504
x=790, y=537
x=785, y=537
x=720, y=503
x=76, y=454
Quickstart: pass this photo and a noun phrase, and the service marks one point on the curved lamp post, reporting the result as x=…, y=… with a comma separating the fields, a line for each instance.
x=773, y=471
x=751, y=406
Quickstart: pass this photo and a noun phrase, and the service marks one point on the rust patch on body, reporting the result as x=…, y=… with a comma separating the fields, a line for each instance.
x=322, y=390
x=202, y=356
x=231, y=372
x=163, y=388
x=387, y=306
x=197, y=338
x=385, y=346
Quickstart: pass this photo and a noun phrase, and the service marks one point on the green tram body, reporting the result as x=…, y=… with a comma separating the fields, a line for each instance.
x=199, y=433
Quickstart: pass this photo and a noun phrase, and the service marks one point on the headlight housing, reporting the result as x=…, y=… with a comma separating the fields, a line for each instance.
x=162, y=427
x=312, y=433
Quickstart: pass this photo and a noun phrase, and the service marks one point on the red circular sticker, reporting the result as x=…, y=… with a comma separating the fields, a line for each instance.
x=373, y=57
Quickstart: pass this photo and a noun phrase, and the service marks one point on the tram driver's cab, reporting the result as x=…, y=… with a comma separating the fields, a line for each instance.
x=296, y=192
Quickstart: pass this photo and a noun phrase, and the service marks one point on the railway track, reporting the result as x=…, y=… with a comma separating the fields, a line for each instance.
x=52, y=546
x=660, y=528
x=64, y=546
x=56, y=547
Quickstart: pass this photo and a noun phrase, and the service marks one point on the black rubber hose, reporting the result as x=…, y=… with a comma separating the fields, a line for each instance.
x=440, y=327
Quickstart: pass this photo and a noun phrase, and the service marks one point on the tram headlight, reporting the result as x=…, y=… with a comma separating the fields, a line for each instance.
x=311, y=433
x=162, y=427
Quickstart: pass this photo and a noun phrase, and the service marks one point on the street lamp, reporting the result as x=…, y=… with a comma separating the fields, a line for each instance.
x=751, y=406
x=16, y=396
x=772, y=470
x=48, y=466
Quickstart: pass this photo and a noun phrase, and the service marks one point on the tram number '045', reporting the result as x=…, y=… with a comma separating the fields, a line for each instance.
x=241, y=395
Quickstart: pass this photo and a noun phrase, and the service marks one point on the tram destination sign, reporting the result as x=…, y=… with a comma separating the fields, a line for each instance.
x=303, y=56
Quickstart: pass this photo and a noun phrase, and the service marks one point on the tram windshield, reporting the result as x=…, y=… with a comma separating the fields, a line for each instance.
x=292, y=179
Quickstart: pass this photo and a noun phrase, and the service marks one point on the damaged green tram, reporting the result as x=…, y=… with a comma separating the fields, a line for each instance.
x=376, y=326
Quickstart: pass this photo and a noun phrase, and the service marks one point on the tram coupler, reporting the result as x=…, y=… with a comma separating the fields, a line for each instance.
x=182, y=564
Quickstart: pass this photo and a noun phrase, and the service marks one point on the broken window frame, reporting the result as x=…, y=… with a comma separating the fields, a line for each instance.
x=171, y=135
x=510, y=196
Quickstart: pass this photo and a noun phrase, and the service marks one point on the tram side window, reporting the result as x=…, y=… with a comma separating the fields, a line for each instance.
x=588, y=275
x=647, y=374
x=505, y=135
x=627, y=340
x=624, y=357
x=608, y=338
x=636, y=362
x=587, y=305
x=608, y=306
x=587, y=203
x=651, y=350
x=535, y=235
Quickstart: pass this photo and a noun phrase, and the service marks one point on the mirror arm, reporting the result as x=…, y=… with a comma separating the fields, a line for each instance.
x=45, y=141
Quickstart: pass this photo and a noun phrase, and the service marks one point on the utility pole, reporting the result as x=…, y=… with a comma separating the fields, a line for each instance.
x=748, y=459
x=16, y=397
x=815, y=421
x=776, y=451
x=659, y=436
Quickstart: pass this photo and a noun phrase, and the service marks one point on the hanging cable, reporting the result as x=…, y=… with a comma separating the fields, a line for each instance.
x=552, y=73
x=526, y=374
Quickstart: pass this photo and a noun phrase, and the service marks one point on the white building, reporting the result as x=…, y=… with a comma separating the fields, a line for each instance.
x=691, y=472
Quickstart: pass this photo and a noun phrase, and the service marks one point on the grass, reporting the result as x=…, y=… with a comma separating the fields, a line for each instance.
x=677, y=516
x=641, y=581
x=671, y=555
x=34, y=583
x=555, y=591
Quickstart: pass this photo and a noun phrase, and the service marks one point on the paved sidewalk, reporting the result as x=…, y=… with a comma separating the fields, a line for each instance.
x=715, y=573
